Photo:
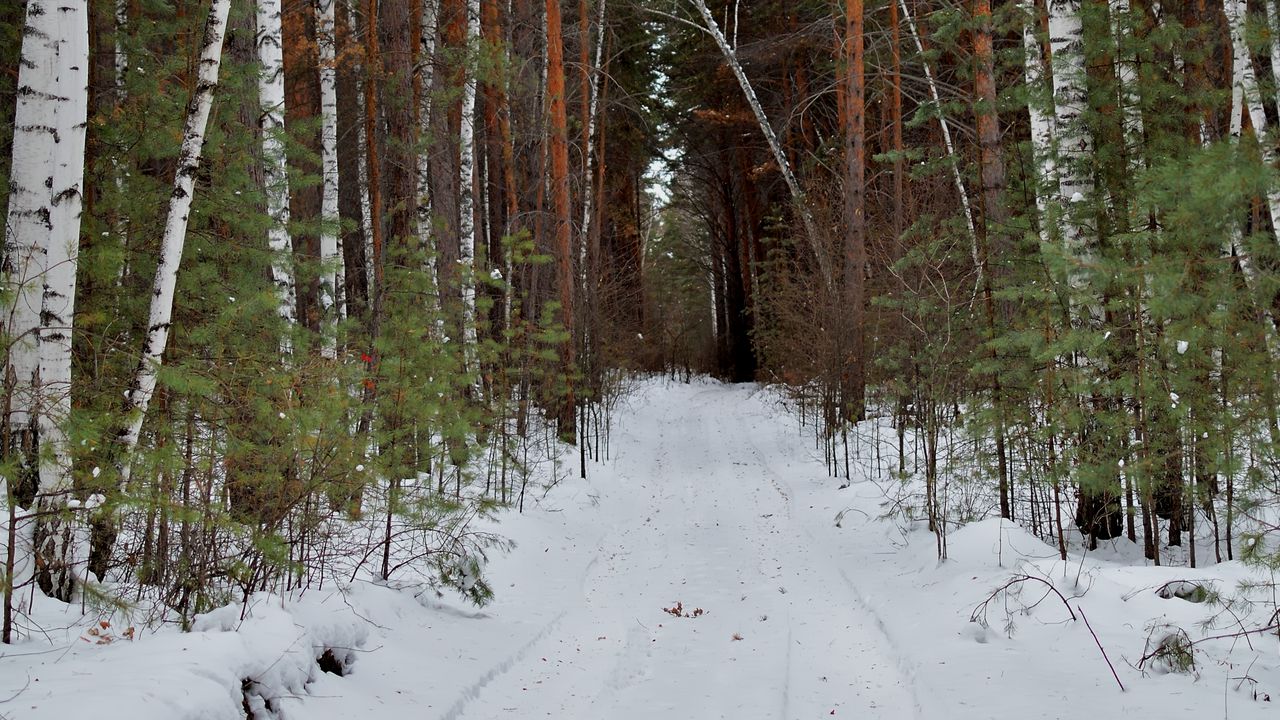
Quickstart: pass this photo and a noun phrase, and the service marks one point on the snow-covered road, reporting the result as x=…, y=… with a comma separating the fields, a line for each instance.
x=692, y=516
x=712, y=505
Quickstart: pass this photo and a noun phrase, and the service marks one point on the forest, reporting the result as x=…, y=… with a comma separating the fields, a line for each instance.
x=305, y=291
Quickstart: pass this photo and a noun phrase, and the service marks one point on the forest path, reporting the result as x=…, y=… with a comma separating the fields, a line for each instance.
x=696, y=508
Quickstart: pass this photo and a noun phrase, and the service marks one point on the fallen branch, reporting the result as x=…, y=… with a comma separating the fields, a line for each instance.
x=1100, y=648
x=979, y=614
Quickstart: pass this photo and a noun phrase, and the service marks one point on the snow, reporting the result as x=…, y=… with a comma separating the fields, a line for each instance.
x=816, y=602
x=226, y=663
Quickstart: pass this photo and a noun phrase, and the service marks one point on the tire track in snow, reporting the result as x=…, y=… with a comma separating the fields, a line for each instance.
x=473, y=691
x=887, y=648
x=680, y=509
x=906, y=670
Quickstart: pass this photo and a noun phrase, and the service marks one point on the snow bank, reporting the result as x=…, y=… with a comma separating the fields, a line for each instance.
x=238, y=660
x=1004, y=608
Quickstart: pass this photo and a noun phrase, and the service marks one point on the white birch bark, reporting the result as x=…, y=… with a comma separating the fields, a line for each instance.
x=122, y=57
x=40, y=250
x=362, y=167
x=1127, y=75
x=160, y=316
x=28, y=221
x=1245, y=91
x=1243, y=82
x=466, y=189
x=947, y=142
x=736, y=5
x=1073, y=148
x=426, y=234
x=784, y=166
x=1042, y=131
x=588, y=196
x=1246, y=97
x=121, y=68
x=270, y=43
x=329, y=258
x=429, y=11
x=1273, y=30
x=57, y=305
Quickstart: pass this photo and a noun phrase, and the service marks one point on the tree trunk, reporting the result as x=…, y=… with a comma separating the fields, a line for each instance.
x=467, y=195
x=994, y=214
x=355, y=283
x=271, y=96
x=40, y=253
x=302, y=107
x=566, y=416
x=1074, y=146
x=1039, y=97
x=160, y=316
x=329, y=214
x=853, y=377
x=775, y=147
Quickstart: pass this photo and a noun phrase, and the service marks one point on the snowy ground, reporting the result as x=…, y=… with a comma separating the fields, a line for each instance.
x=712, y=504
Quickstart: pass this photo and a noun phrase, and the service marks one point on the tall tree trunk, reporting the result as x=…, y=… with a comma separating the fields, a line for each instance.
x=271, y=96
x=1073, y=145
x=994, y=214
x=895, y=118
x=445, y=158
x=566, y=416
x=500, y=160
x=426, y=83
x=355, y=283
x=373, y=163
x=775, y=147
x=1039, y=98
x=302, y=107
x=466, y=191
x=40, y=252
x=329, y=214
x=853, y=377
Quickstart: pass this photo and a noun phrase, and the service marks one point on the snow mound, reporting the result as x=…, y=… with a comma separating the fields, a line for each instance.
x=238, y=661
x=285, y=646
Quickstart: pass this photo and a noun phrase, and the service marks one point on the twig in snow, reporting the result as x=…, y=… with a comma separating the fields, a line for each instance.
x=1114, y=674
x=979, y=614
x=23, y=689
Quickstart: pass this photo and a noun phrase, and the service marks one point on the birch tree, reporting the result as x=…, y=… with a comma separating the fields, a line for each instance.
x=466, y=188
x=593, y=80
x=1073, y=147
x=1246, y=97
x=1039, y=97
x=429, y=14
x=1273, y=31
x=160, y=316
x=41, y=247
x=270, y=40
x=329, y=169
x=775, y=146
x=948, y=143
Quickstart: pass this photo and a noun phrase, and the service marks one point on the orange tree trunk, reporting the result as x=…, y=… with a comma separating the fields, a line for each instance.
x=853, y=377
x=994, y=218
x=561, y=208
